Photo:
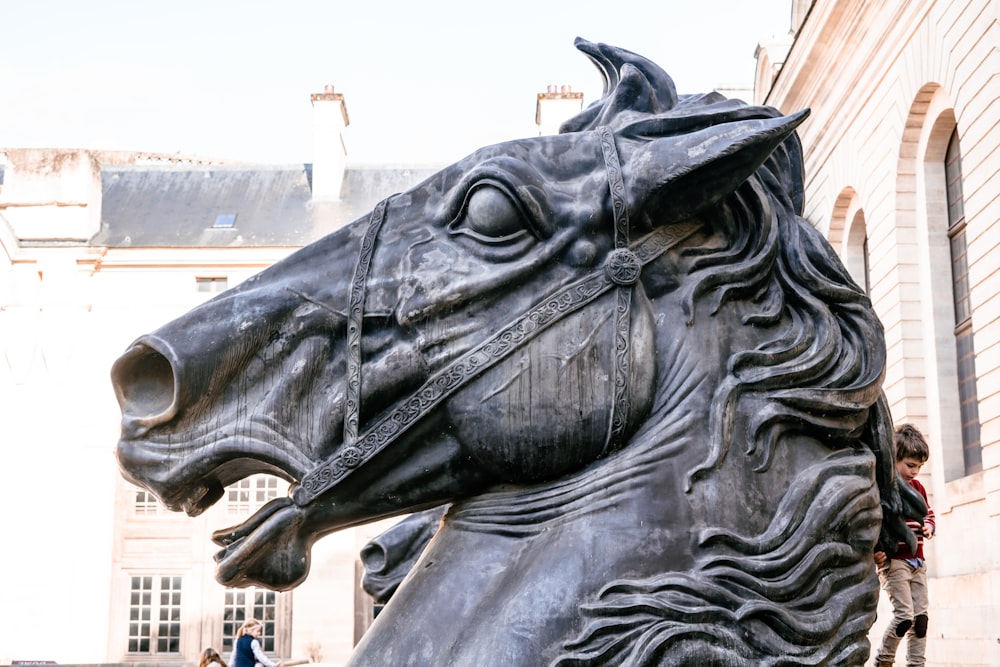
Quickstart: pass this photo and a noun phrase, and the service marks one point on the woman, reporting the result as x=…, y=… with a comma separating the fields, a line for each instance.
x=247, y=651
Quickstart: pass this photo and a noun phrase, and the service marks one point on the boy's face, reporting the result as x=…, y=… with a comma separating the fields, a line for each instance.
x=908, y=467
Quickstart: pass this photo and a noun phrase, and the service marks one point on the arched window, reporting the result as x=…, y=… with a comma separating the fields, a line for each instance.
x=968, y=397
x=857, y=252
x=848, y=233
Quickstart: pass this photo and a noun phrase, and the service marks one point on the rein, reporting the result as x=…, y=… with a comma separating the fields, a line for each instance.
x=621, y=270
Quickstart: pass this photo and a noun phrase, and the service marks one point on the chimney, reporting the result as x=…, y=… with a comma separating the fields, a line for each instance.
x=329, y=153
x=555, y=106
x=52, y=194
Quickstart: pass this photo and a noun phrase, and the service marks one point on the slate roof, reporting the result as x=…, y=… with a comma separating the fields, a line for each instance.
x=179, y=205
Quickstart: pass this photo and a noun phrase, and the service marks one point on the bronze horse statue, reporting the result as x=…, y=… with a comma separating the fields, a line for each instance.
x=647, y=387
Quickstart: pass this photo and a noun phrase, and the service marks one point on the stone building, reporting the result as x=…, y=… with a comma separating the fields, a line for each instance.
x=97, y=248
x=902, y=170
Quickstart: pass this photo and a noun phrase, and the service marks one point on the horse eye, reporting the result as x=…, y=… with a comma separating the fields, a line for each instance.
x=490, y=217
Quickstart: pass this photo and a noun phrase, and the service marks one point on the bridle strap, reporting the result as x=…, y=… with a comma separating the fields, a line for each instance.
x=355, y=316
x=623, y=307
x=621, y=270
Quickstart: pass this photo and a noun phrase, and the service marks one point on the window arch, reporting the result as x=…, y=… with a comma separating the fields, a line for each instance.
x=933, y=379
x=849, y=233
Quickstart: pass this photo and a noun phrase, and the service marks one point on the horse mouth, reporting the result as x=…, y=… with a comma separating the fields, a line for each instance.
x=264, y=549
x=186, y=480
x=228, y=537
x=201, y=497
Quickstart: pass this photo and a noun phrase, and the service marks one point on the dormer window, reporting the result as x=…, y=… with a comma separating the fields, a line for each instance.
x=224, y=221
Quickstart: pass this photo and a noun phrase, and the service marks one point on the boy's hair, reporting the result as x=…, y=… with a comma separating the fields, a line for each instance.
x=910, y=443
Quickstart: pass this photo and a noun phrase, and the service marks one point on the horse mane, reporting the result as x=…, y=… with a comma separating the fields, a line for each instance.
x=751, y=599
x=823, y=375
x=791, y=595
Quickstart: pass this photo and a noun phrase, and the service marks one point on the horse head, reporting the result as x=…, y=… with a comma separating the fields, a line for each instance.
x=543, y=312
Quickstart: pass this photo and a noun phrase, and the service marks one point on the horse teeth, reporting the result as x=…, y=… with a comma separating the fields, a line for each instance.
x=191, y=503
x=205, y=495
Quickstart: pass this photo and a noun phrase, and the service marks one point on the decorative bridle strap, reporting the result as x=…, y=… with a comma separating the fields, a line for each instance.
x=355, y=316
x=621, y=270
x=625, y=273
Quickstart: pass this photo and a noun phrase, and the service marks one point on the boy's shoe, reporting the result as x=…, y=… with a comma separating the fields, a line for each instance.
x=879, y=663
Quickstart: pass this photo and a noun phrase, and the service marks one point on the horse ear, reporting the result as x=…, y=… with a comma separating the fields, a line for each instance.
x=683, y=174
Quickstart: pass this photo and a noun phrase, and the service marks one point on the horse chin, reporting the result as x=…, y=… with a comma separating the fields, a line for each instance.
x=267, y=549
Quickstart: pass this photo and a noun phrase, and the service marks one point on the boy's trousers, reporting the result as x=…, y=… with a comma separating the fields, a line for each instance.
x=907, y=589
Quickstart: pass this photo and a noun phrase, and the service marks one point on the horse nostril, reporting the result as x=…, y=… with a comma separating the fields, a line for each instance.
x=145, y=387
x=374, y=558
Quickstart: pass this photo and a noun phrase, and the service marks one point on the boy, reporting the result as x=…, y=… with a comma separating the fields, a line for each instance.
x=903, y=573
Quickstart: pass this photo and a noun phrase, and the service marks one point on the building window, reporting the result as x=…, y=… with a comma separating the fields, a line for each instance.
x=248, y=495
x=243, y=604
x=155, y=615
x=965, y=347
x=145, y=503
x=212, y=285
x=224, y=221
x=856, y=246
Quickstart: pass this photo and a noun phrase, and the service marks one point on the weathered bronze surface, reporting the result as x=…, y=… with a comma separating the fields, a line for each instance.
x=648, y=388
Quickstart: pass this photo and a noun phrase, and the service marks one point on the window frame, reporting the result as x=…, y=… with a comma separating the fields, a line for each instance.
x=965, y=349
x=249, y=494
x=164, y=610
x=211, y=284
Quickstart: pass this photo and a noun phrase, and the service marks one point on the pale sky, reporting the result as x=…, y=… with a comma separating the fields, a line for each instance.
x=424, y=82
